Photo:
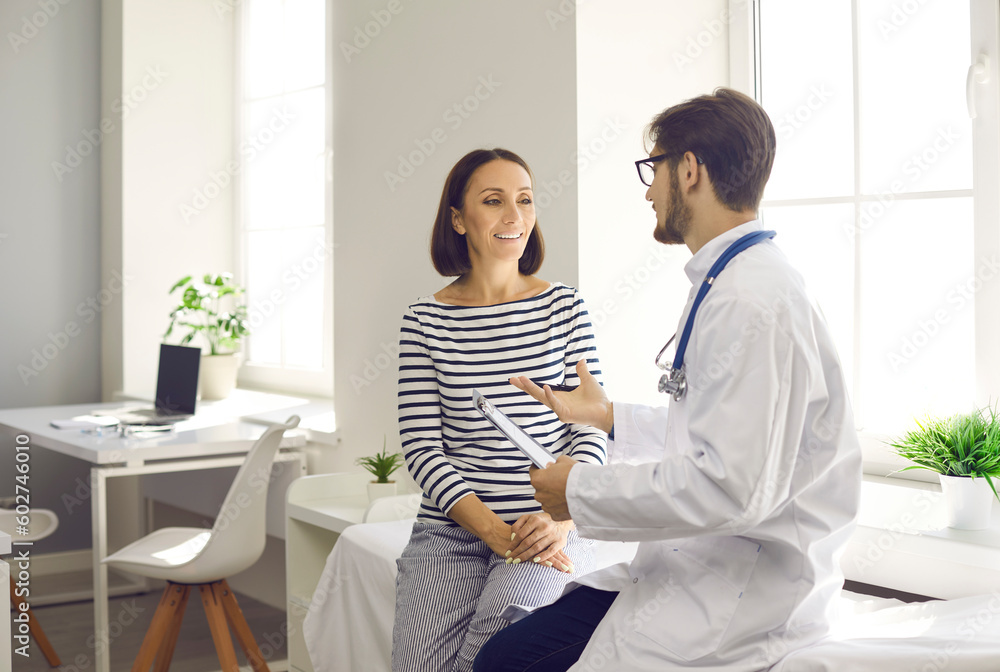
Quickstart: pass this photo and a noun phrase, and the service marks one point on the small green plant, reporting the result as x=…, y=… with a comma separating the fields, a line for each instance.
x=381, y=465
x=200, y=312
x=961, y=445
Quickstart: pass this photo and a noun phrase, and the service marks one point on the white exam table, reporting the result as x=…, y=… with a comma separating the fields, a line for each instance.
x=349, y=624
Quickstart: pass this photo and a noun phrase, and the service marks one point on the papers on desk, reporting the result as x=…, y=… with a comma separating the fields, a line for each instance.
x=85, y=422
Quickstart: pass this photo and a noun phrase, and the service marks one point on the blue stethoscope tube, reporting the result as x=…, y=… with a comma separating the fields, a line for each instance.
x=673, y=382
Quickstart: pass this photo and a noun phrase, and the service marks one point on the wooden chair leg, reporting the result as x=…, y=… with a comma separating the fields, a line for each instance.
x=163, y=617
x=166, y=651
x=217, y=624
x=238, y=622
x=35, y=629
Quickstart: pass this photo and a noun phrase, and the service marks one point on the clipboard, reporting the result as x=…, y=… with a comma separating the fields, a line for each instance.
x=524, y=442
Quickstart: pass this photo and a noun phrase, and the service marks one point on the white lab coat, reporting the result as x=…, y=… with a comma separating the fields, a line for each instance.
x=742, y=496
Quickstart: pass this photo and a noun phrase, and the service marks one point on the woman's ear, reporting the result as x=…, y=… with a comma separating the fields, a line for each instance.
x=456, y=222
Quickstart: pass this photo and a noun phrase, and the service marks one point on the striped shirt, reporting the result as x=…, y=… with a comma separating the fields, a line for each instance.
x=444, y=352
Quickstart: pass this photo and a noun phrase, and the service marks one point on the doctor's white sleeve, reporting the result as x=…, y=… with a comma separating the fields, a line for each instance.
x=640, y=433
x=732, y=466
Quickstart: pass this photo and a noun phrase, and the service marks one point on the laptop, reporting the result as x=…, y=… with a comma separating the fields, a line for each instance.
x=176, y=389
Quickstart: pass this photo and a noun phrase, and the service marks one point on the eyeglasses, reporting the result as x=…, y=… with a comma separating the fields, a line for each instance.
x=646, y=171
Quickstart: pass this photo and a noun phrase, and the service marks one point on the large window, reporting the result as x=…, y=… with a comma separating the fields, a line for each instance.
x=884, y=191
x=285, y=205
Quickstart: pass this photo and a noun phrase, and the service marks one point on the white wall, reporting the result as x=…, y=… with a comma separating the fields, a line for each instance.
x=388, y=100
x=635, y=58
x=49, y=234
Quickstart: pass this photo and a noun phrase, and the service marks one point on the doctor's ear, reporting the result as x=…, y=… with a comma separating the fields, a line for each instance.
x=456, y=222
x=692, y=163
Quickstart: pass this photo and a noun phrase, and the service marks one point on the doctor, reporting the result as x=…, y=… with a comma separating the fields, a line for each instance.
x=744, y=494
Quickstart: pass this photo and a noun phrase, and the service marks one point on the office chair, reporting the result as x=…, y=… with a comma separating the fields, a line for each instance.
x=43, y=522
x=187, y=557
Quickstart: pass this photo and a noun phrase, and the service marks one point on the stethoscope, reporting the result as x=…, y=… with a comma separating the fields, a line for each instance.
x=673, y=382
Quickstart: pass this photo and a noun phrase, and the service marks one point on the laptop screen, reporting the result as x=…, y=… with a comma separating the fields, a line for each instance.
x=177, y=379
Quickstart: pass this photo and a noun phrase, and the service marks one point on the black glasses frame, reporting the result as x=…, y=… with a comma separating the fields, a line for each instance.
x=656, y=159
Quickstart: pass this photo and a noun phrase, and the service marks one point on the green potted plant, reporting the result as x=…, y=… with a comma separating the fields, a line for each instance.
x=381, y=465
x=212, y=311
x=964, y=450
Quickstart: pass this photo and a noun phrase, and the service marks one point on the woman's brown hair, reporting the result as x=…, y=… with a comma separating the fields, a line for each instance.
x=449, y=250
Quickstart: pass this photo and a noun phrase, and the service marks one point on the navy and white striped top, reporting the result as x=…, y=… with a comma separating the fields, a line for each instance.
x=444, y=352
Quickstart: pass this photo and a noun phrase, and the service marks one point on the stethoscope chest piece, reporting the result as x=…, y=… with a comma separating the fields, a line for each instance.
x=673, y=383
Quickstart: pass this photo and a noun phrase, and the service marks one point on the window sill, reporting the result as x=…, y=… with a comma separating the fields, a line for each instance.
x=903, y=542
x=318, y=419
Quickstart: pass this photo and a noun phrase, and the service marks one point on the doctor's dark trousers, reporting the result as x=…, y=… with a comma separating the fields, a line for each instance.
x=549, y=640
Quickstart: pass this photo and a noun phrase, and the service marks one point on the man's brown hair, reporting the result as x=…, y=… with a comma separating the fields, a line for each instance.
x=730, y=133
x=449, y=249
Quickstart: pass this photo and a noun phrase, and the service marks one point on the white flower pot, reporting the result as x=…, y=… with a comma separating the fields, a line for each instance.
x=376, y=490
x=217, y=375
x=969, y=502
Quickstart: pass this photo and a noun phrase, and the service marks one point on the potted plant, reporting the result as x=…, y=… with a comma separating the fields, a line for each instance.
x=381, y=465
x=201, y=313
x=964, y=450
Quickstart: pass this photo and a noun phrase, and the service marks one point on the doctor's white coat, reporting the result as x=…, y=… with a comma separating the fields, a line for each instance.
x=743, y=495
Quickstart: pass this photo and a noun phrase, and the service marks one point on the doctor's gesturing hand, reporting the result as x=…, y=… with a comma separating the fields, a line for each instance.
x=585, y=405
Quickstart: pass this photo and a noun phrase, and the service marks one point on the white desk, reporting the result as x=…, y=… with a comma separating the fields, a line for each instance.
x=214, y=438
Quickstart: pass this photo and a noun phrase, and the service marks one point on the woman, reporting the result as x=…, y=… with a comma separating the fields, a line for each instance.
x=481, y=542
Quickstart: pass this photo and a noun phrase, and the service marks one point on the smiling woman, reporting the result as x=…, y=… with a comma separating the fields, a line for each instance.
x=497, y=216
x=487, y=199
x=481, y=542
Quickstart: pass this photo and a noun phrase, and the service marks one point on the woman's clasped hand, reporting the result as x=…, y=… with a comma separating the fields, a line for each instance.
x=535, y=537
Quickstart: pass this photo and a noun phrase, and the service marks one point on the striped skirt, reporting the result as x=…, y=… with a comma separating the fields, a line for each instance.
x=451, y=589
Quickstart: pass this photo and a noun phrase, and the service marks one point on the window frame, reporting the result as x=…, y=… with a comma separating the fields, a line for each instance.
x=745, y=76
x=315, y=383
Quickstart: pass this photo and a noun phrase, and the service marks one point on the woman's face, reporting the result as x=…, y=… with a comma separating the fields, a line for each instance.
x=498, y=214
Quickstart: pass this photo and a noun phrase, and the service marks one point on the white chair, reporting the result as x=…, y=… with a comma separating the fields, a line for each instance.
x=186, y=557
x=42, y=523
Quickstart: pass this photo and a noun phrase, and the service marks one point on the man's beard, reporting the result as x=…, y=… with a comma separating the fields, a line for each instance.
x=677, y=218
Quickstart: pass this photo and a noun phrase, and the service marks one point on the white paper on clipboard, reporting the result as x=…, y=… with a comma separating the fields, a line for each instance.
x=520, y=438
